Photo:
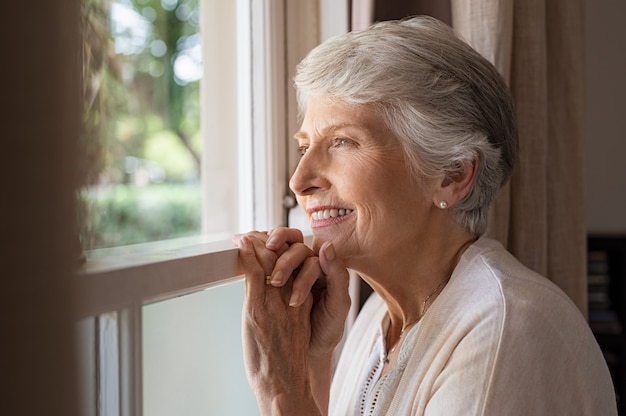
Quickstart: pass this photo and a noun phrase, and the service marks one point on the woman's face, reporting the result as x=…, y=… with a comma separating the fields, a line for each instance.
x=354, y=183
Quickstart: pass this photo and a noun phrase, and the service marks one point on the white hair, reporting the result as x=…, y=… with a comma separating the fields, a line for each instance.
x=444, y=101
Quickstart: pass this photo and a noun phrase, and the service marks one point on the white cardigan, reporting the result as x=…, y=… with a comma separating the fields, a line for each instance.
x=498, y=340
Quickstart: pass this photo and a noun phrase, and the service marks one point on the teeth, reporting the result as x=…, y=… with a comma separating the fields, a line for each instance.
x=330, y=213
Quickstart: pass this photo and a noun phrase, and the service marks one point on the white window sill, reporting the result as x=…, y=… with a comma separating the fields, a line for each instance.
x=121, y=277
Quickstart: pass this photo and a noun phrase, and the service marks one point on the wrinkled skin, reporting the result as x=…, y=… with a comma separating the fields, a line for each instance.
x=291, y=327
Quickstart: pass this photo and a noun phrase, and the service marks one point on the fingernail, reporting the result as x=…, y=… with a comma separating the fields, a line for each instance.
x=294, y=300
x=277, y=278
x=330, y=251
x=271, y=242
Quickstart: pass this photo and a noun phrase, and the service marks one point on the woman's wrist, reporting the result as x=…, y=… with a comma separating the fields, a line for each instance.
x=290, y=404
x=320, y=370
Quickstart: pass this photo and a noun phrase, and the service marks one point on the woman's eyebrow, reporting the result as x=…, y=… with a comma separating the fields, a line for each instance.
x=300, y=136
x=330, y=129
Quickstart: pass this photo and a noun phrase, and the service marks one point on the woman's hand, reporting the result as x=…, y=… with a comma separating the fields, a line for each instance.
x=276, y=336
x=296, y=320
x=323, y=276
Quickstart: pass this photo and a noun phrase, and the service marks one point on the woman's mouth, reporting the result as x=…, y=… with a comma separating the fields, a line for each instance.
x=325, y=214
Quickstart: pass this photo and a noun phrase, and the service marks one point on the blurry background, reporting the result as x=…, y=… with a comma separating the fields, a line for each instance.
x=606, y=111
x=142, y=65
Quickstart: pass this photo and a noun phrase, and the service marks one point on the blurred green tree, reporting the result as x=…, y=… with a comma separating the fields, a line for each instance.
x=141, y=66
x=141, y=69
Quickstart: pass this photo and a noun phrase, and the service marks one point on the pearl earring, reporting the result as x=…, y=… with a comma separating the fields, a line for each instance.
x=443, y=205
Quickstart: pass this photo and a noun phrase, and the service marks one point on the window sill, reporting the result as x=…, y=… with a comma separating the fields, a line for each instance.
x=152, y=272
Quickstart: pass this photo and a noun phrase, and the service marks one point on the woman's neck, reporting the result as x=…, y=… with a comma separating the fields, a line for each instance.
x=410, y=279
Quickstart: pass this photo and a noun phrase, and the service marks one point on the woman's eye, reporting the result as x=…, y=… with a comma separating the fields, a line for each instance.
x=341, y=141
x=302, y=150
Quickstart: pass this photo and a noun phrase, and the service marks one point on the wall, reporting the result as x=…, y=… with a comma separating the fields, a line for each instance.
x=606, y=115
x=41, y=116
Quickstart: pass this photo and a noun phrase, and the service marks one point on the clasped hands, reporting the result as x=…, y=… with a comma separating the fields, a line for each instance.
x=295, y=320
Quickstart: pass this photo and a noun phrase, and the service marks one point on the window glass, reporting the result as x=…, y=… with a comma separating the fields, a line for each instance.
x=142, y=63
x=192, y=356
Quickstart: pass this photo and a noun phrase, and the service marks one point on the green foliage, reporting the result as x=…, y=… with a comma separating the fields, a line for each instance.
x=137, y=108
x=123, y=214
x=165, y=148
x=129, y=80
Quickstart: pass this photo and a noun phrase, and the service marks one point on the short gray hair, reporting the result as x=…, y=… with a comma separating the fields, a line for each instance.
x=443, y=100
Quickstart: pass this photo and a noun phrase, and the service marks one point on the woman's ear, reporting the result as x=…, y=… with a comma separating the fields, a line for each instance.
x=455, y=186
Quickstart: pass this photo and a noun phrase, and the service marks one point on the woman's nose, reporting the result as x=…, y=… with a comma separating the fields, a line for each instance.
x=309, y=174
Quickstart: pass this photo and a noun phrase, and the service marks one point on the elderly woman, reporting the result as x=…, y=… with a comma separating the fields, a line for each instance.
x=407, y=136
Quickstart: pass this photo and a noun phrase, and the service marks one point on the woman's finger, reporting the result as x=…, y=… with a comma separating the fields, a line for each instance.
x=309, y=274
x=325, y=271
x=280, y=236
x=254, y=271
x=288, y=262
x=333, y=305
x=337, y=279
x=266, y=258
x=261, y=235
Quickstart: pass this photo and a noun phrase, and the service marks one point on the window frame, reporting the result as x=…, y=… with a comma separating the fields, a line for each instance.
x=110, y=295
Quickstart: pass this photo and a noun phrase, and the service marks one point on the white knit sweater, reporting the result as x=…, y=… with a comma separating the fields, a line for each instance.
x=498, y=340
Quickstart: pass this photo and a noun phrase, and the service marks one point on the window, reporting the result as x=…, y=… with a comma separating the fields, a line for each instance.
x=142, y=65
x=160, y=321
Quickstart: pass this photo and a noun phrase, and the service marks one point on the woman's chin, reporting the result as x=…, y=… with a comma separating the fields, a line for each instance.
x=318, y=241
x=343, y=249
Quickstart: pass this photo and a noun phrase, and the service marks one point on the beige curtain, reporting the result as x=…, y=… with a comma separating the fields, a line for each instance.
x=538, y=47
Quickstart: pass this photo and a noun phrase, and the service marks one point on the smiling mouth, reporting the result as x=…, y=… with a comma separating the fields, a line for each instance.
x=325, y=214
